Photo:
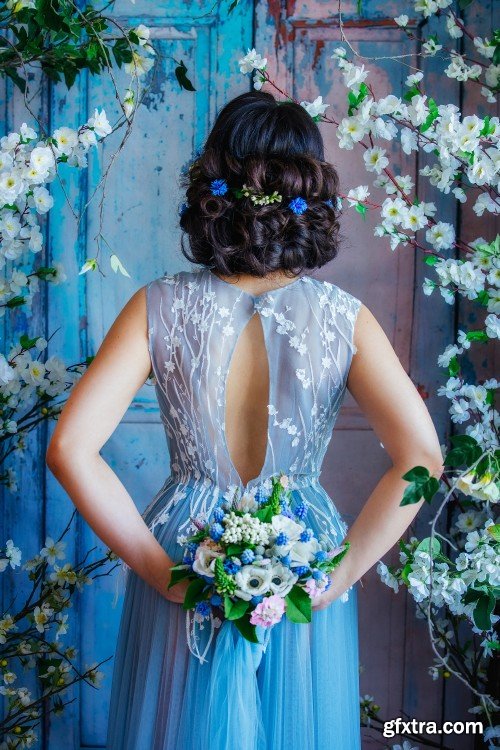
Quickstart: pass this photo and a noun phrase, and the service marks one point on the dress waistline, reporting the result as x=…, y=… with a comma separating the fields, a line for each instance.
x=190, y=478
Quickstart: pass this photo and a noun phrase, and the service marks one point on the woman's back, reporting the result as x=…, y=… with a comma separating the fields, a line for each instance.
x=212, y=369
x=202, y=684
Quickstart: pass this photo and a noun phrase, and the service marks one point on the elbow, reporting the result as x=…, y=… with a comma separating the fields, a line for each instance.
x=68, y=452
x=52, y=457
x=431, y=461
x=56, y=456
x=434, y=463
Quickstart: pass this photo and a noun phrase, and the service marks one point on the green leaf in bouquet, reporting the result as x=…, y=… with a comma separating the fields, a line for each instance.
x=246, y=628
x=194, y=594
x=265, y=514
x=334, y=561
x=199, y=536
x=237, y=549
x=179, y=574
x=234, y=610
x=298, y=605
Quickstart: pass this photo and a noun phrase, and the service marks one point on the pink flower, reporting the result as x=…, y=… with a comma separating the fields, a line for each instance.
x=269, y=611
x=312, y=589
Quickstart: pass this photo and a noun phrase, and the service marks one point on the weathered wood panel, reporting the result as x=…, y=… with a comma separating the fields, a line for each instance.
x=298, y=39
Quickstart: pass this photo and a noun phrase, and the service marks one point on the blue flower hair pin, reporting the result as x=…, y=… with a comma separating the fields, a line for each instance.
x=218, y=187
x=298, y=205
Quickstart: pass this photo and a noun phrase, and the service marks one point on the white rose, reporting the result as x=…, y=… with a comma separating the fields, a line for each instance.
x=204, y=562
x=293, y=530
x=303, y=552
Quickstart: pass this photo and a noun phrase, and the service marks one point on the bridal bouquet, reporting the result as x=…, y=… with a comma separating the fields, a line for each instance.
x=256, y=561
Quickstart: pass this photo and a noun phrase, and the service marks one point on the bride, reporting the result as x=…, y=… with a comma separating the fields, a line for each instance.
x=252, y=357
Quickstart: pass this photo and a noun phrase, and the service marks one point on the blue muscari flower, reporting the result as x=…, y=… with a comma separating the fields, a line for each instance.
x=247, y=556
x=203, y=608
x=216, y=531
x=183, y=208
x=260, y=496
x=298, y=205
x=286, y=560
x=232, y=565
x=301, y=570
x=218, y=187
x=320, y=555
x=285, y=509
x=218, y=514
x=281, y=539
x=188, y=557
x=301, y=509
x=216, y=600
x=306, y=535
x=317, y=574
x=192, y=546
x=329, y=202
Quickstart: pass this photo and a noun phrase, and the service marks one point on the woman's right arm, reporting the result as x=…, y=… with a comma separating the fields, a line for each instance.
x=94, y=409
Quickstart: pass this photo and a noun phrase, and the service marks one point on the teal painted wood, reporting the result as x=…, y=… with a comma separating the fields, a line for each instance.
x=141, y=225
x=28, y=501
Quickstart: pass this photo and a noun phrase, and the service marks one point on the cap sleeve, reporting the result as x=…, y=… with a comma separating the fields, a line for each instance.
x=347, y=309
x=155, y=312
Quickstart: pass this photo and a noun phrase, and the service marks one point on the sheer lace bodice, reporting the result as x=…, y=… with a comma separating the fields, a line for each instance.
x=194, y=322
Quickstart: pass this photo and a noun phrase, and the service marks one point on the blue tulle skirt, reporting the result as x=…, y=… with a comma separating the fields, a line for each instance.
x=298, y=689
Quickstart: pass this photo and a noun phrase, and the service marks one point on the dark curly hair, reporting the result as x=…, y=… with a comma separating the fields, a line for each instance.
x=267, y=145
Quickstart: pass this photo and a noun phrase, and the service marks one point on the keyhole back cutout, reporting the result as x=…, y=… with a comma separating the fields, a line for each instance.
x=246, y=400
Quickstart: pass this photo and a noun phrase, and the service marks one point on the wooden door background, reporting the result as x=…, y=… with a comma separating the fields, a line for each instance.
x=141, y=223
x=299, y=39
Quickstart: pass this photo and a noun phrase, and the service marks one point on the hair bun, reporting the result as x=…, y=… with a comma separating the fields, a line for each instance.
x=233, y=218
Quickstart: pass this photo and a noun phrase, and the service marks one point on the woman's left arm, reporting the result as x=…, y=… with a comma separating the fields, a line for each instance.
x=401, y=420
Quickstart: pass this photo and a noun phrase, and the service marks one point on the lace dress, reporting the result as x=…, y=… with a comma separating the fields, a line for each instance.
x=187, y=683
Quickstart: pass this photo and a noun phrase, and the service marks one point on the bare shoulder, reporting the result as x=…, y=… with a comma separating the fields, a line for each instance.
x=134, y=310
x=376, y=372
x=369, y=336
